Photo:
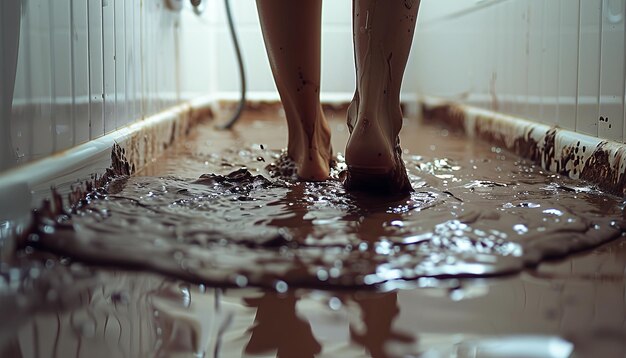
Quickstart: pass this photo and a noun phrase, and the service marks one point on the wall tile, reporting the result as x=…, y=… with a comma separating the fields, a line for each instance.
x=546, y=61
x=63, y=136
x=568, y=63
x=521, y=27
x=139, y=61
x=503, y=80
x=41, y=81
x=121, y=105
x=198, y=39
x=550, y=62
x=535, y=35
x=130, y=65
x=96, y=69
x=589, y=67
x=611, y=119
x=108, y=62
x=338, y=69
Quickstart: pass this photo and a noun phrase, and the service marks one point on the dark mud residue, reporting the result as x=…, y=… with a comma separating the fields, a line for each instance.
x=600, y=169
x=467, y=217
x=603, y=167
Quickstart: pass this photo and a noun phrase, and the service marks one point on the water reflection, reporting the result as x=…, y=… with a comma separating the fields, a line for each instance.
x=376, y=332
x=278, y=328
x=84, y=314
x=134, y=314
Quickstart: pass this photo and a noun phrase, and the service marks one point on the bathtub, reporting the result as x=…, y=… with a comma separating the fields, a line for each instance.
x=97, y=75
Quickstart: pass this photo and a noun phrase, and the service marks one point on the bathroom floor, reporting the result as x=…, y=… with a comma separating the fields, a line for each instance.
x=264, y=266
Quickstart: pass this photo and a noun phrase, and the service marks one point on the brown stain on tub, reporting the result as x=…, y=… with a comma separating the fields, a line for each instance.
x=603, y=166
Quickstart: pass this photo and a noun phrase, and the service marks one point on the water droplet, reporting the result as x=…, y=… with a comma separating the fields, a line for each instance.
x=553, y=212
x=281, y=286
x=322, y=275
x=457, y=295
x=241, y=281
x=335, y=272
x=186, y=296
x=334, y=303
x=520, y=229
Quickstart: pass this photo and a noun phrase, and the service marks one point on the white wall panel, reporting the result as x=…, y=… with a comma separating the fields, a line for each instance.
x=520, y=24
x=61, y=74
x=568, y=63
x=80, y=70
x=88, y=67
x=138, y=71
x=21, y=122
x=559, y=62
x=589, y=67
x=147, y=44
x=41, y=81
x=108, y=63
x=121, y=105
x=550, y=62
x=534, y=40
x=503, y=80
x=611, y=119
x=198, y=73
x=96, y=69
x=130, y=65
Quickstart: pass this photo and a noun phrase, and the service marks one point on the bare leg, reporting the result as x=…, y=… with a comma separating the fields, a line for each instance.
x=291, y=30
x=383, y=32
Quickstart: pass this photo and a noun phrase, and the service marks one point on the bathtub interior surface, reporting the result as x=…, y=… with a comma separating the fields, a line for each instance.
x=61, y=303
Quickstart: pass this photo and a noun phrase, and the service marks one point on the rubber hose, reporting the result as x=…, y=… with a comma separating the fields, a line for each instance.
x=242, y=73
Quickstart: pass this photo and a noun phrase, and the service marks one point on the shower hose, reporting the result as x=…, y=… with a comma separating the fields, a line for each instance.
x=242, y=73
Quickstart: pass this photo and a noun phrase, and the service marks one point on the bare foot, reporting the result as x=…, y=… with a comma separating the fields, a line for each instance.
x=373, y=152
x=311, y=150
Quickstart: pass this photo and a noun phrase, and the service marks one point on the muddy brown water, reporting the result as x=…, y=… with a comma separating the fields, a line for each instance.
x=244, y=263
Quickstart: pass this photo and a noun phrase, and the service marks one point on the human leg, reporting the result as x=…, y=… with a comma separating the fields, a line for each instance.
x=383, y=33
x=291, y=30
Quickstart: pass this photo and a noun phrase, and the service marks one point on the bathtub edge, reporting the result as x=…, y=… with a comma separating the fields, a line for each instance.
x=578, y=156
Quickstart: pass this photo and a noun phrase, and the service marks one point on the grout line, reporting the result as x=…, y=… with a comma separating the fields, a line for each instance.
x=578, y=64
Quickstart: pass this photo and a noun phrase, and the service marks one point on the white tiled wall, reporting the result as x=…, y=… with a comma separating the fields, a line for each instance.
x=85, y=68
x=88, y=67
x=338, y=77
x=559, y=62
